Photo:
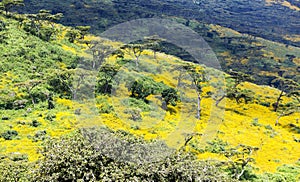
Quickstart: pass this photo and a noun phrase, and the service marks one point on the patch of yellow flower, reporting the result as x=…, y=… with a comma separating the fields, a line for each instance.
x=283, y=3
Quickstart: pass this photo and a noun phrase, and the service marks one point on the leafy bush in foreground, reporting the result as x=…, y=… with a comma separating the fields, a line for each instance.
x=83, y=157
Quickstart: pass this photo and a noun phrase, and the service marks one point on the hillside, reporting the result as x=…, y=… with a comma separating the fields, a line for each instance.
x=245, y=45
x=50, y=88
x=274, y=20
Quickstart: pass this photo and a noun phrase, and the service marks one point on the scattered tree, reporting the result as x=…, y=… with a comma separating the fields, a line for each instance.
x=170, y=96
x=83, y=30
x=75, y=82
x=232, y=90
x=239, y=159
x=152, y=43
x=198, y=77
x=29, y=86
x=42, y=24
x=135, y=50
x=100, y=50
x=105, y=78
x=143, y=87
x=72, y=34
x=288, y=87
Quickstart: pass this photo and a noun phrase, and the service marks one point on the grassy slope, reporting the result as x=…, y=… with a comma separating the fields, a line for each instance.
x=249, y=124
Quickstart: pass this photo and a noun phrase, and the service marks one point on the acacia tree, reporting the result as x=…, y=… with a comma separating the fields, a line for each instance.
x=239, y=158
x=198, y=77
x=170, y=96
x=142, y=88
x=3, y=32
x=100, y=51
x=232, y=90
x=288, y=87
x=7, y=5
x=72, y=34
x=77, y=82
x=152, y=43
x=135, y=50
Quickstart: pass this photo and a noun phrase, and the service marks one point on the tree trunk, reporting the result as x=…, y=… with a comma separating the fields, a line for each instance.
x=277, y=102
x=137, y=62
x=179, y=79
x=219, y=100
x=32, y=100
x=277, y=120
x=199, y=106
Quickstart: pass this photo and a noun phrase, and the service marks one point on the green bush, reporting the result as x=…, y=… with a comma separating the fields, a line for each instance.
x=266, y=104
x=9, y=134
x=89, y=155
x=12, y=171
x=35, y=123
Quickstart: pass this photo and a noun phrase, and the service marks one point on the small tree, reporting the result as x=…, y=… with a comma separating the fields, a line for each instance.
x=76, y=82
x=170, y=96
x=232, y=90
x=134, y=50
x=143, y=87
x=42, y=24
x=152, y=43
x=72, y=35
x=3, y=32
x=83, y=30
x=29, y=86
x=288, y=87
x=105, y=78
x=198, y=77
x=239, y=159
x=100, y=51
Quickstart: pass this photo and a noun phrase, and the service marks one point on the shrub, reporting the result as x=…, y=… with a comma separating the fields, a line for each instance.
x=255, y=122
x=40, y=135
x=35, y=123
x=89, y=155
x=266, y=104
x=170, y=96
x=11, y=171
x=9, y=134
x=145, y=86
x=135, y=114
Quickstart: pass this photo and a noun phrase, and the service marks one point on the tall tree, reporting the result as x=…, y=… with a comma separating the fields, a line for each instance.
x=72, y=34
x=29, y=86
x=198, y=77
x=170, y=96
x=42, y=24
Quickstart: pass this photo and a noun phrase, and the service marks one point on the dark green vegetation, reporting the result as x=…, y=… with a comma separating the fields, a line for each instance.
x=252, y=17
x=104, y=155
x=30, y=66
x=84, y=156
